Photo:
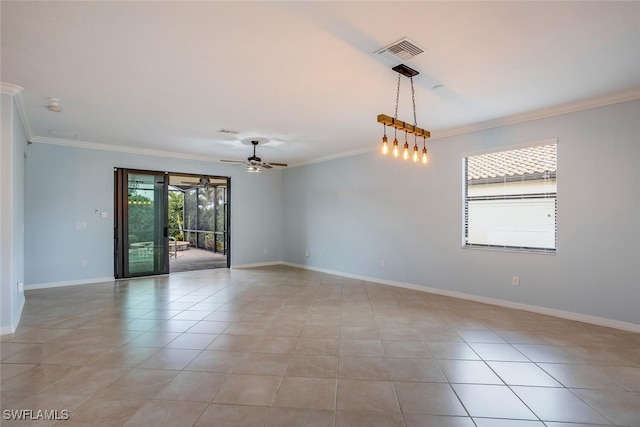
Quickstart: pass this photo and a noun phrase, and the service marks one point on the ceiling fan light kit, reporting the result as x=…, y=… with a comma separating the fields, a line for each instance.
x=254, y=163
x=408, y=128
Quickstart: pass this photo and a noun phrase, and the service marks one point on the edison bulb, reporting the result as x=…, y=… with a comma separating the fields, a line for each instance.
x=425, y=159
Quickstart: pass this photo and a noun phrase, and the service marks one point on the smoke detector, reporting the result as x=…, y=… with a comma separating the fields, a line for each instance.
x=403, y=50
x=54, y=105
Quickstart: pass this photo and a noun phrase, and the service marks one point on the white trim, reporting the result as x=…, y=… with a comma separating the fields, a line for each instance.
x=258, y=264
x=48, y=285
x=5, y=330
x=120, y=148
x=24, y=118
x=505, y=248
x=170, y=154
x=16, y=93
x=558, y=110
x=336, y=156
x=571, y=107
x=585, y=318
x=16, y=318
x=15, y=321
x=9, y=89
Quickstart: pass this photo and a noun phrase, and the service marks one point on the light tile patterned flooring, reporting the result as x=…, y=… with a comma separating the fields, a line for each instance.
x=279, y=346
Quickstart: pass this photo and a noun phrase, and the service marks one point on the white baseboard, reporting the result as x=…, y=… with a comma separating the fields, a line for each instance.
x=33, y=286
x=10, y=329
x=17, y=316
x=4, y=330
x=259, y=264
x=585, y=318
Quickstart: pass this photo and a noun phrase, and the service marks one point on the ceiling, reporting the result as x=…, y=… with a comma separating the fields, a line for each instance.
x=302, y=76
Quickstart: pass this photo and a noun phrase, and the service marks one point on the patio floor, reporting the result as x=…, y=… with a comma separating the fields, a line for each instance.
x=196, y=259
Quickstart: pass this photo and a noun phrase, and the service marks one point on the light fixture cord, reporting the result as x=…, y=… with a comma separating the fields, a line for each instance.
x=397, y=96
x=413, y=98
x=395, y=117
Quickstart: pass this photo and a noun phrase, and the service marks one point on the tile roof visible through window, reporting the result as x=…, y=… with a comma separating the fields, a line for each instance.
x=521, y=162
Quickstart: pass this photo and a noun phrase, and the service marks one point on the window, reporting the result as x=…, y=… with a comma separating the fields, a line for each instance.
x=510, y=199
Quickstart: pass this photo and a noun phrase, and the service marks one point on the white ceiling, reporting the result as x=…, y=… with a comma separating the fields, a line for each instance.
x=302, y=75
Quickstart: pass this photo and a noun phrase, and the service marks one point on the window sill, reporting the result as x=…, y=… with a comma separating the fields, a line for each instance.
x=508, y=249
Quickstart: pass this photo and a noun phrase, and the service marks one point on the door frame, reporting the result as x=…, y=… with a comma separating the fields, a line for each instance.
x=121, y=211
x=121, y=223
x=227, y=224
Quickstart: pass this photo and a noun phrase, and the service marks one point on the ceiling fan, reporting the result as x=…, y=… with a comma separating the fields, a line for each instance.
x=255, y=163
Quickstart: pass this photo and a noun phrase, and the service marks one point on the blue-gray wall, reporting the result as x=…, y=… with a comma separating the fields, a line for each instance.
x=12, y=173
x=352, y=213
x=66, y=185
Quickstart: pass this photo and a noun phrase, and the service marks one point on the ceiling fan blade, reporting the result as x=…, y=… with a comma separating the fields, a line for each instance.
x=255, y=163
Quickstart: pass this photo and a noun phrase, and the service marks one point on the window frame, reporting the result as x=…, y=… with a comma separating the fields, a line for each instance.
x=533, y=196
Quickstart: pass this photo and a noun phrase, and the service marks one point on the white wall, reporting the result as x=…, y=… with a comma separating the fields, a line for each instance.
x=12, y=150
x=352, y=213
x=67, y=184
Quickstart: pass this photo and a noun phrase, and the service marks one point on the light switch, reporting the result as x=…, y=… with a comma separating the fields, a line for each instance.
x=104, y=214
x=81, y=225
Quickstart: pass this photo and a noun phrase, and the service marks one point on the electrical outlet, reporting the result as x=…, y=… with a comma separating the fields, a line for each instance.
x=307, y=254
x=83, y=263
x=20, y=287
x=515, y=281
x=266, y=250
x=381, y=263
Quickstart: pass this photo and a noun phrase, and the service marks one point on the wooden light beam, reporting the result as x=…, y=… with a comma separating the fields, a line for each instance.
x=403, y=126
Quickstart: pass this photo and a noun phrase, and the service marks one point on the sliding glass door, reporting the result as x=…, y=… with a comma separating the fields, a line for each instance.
x=141, y=223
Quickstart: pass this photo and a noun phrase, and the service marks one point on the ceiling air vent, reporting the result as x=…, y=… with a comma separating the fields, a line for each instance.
x=404, y=50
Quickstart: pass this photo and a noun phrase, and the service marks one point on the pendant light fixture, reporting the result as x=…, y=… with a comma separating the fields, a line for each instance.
x=396, y=124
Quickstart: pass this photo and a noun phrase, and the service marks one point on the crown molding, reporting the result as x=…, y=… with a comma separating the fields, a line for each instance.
x=570, y=107
x=162, y=153
x=16, y=93
x=585, y=104
x=24, y=118
x=336, y=156
x=9, y=89
x=120, y=148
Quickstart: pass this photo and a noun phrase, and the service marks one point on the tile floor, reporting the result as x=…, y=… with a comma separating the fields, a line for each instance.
x=280, y=346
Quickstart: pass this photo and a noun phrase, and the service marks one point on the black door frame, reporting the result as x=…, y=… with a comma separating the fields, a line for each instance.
x=121, y=240
x=121, y=223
